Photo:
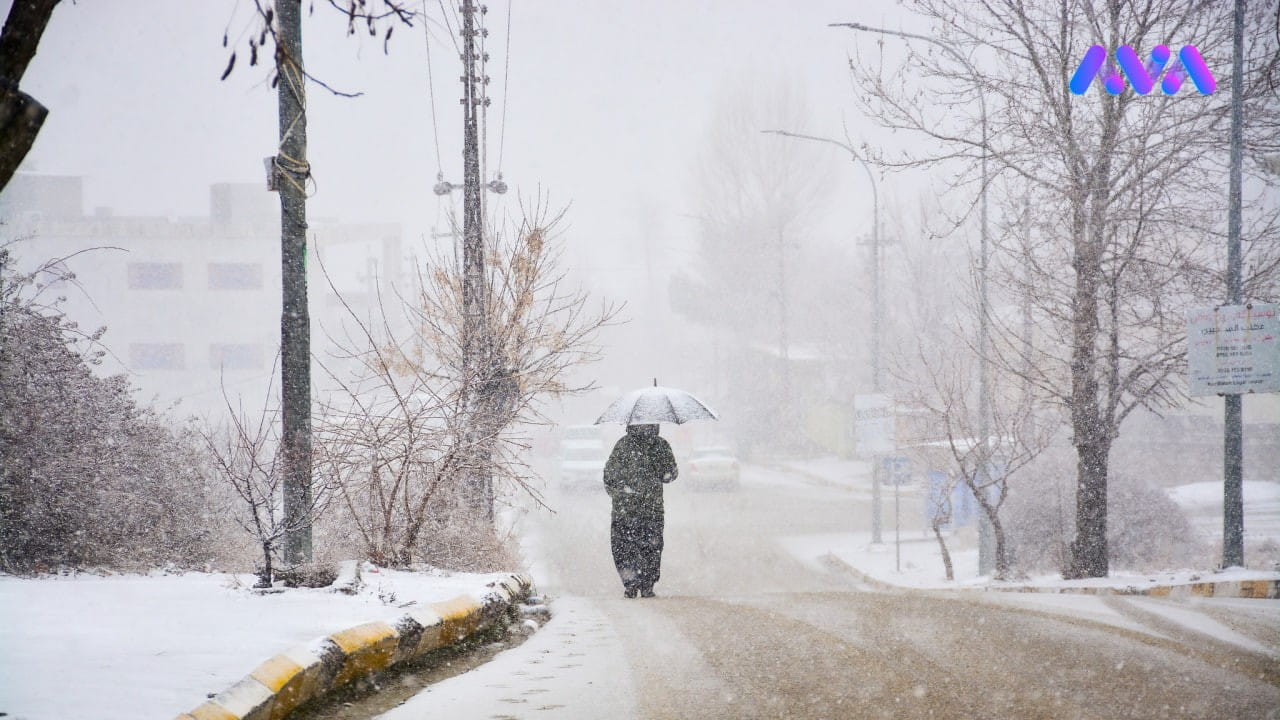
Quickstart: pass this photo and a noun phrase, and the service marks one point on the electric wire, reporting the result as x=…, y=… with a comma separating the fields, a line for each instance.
x=506, y=83
x=445, y=14
x=431, y=92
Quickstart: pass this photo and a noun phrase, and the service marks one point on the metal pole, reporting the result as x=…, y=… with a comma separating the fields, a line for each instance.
x=877, y=310
x=1233, y=410
x=897, y=523
x=292, y=171
x=986, y=550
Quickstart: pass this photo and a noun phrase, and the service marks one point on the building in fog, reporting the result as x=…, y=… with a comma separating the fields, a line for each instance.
x=193, y=304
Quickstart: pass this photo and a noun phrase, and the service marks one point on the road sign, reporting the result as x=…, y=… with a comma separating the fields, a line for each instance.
x=873, y=425
x=1234, y=349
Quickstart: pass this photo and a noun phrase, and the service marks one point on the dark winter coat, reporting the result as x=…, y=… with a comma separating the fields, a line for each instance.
x=639, y=465
x=635, y=473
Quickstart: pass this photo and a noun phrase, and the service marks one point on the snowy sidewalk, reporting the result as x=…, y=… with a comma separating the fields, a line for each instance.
x=123, y=647
x=573, y=667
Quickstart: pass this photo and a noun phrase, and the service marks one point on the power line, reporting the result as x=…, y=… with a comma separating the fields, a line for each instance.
x=506, y=83
x=431, y=91
x=445, y=14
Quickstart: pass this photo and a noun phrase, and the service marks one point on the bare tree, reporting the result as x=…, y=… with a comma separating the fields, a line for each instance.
x=248, y=457
x=755, y=197
x=945, y=391
x=1127, y=191
x=399, y=436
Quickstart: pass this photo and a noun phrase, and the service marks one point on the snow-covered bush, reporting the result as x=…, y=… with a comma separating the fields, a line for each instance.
x=87, y=477
x=1145, y=529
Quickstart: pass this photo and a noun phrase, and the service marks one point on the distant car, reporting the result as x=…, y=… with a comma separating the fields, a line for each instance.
x=580, y=465
x=711, y=468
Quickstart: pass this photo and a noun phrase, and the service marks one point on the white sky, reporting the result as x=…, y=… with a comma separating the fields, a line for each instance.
x=608, y=102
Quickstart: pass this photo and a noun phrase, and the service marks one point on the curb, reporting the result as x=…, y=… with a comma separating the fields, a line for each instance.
x=1246, y=589
x=278, y=686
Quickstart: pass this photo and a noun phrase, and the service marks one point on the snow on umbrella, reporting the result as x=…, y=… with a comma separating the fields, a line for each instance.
x=656, y=405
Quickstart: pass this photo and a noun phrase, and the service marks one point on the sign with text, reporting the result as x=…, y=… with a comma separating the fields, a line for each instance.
x=1234, y=349
x=873, y=425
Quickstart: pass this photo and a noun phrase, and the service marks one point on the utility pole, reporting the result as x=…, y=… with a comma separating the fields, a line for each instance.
x=986, y=536
x=481, y=380
x=1233, y=409
x=473, y=289
x=876, y=315
x=290, y=175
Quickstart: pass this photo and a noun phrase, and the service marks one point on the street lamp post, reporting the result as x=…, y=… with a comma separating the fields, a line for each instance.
x=986, y=551
x=877, y=308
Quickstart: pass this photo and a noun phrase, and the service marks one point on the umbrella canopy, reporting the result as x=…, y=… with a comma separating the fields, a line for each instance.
x=656, y=405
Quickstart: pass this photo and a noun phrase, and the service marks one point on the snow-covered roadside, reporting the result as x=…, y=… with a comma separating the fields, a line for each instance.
x=153, y=646
x=921, y=568
x=921, y=565
x=574, y=667
x=1202, y=502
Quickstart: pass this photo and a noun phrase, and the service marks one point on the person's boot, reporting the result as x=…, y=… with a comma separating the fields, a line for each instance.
x=629, y=593
x=648, y=592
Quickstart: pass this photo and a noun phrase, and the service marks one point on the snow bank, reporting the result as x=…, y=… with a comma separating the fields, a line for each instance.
x=139, y=646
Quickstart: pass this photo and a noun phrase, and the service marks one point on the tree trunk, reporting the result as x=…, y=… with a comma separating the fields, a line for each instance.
x=1091, y=434
x=265, y=577
x=20, y=115
x=1002, y=549
x=1089, y=550
x=946, y=556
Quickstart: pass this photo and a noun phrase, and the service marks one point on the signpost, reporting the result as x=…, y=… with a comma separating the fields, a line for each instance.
x=898, y=470
x=1234, y=349
x=874, y=436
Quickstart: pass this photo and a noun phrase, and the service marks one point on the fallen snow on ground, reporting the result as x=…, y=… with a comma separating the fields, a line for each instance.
x=1205, y=625
x=917, y=563
x=1209, y=494
x=153, y=646
x=1202, y=502
x=573, y=667
x=920, y=567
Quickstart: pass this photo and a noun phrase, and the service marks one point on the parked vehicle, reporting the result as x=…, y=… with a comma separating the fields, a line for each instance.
x=711, y=468
x=582, y=456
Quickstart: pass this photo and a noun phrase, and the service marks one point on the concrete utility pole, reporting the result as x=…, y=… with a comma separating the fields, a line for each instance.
x=473, y=285
x=1233, y=410
x=986, y=536
x=481, y=379
x=290, y=175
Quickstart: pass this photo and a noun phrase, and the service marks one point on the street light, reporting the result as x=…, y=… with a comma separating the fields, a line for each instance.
x=875, y=246
x=876, y=309
x=986, y=554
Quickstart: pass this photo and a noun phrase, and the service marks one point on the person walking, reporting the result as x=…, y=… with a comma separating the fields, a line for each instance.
x=640, y=464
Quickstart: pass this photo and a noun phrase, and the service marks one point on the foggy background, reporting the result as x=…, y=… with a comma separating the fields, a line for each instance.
x=621, y=111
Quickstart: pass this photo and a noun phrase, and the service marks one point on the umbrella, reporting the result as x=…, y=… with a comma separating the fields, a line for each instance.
x=656, y=405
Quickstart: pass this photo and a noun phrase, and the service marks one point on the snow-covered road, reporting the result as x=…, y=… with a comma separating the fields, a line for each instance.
x=743, y=629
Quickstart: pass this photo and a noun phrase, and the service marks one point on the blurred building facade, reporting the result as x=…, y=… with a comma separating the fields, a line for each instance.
x=192, y=305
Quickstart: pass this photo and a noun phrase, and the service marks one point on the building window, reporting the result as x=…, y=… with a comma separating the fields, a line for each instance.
x=235, y=357
x=235, y=276
x=156, y=356
x=155, y=276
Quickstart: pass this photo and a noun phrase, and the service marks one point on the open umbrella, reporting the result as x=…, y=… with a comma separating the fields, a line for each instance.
x=656, y=405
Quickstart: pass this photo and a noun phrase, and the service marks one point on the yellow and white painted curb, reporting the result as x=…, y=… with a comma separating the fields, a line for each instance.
x=278, y=686
x=1264, y=589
